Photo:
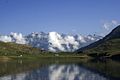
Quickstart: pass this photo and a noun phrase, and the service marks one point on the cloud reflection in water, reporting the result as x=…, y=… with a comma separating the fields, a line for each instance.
x=57, y=72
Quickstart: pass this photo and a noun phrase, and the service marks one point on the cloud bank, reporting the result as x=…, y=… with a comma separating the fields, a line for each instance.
x=52, y=41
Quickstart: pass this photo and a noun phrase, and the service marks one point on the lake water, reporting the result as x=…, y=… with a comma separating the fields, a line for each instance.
x=60, y=69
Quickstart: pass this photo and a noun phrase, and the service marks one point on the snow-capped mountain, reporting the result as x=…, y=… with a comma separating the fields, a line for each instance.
x=51, y=41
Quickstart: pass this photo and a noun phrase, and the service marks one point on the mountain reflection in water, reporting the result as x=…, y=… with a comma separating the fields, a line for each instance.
x=57, y=72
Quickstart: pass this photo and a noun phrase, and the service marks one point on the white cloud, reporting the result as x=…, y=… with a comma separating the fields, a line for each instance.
x=60, y=42
x=52, y=41
x=5, y=38
x=108, y=26
x=13, y=37
x=18, y=38
x=115, y=22
x=70, y=40
x=56, y=40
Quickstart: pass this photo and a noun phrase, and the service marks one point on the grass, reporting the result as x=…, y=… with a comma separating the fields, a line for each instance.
x=110, y=48
x=44, y=55
x=7, y=49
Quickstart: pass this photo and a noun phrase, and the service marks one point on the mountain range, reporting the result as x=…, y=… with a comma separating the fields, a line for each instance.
x=51, y=41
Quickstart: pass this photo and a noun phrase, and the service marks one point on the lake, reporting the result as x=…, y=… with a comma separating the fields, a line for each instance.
x=60, y=69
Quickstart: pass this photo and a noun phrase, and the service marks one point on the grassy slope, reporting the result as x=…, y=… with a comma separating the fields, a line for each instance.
x=17, y=49
x=13, y=51
x=111, y=47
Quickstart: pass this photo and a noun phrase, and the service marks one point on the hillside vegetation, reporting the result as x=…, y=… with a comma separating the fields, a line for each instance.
x=111, y=47
x=17, y=49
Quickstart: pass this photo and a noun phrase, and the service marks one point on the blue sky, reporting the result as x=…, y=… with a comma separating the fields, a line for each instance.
x=63, y=16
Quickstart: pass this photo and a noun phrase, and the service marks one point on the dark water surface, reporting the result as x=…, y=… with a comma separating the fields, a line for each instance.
x=60, y=69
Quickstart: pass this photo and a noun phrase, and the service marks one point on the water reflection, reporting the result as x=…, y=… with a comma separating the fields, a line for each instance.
x=72, y=72
x=57, y=72
x=20, y=76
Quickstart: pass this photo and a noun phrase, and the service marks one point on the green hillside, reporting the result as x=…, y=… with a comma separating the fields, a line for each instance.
x=111, y=47
x=17, y=49
x=20, y=51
